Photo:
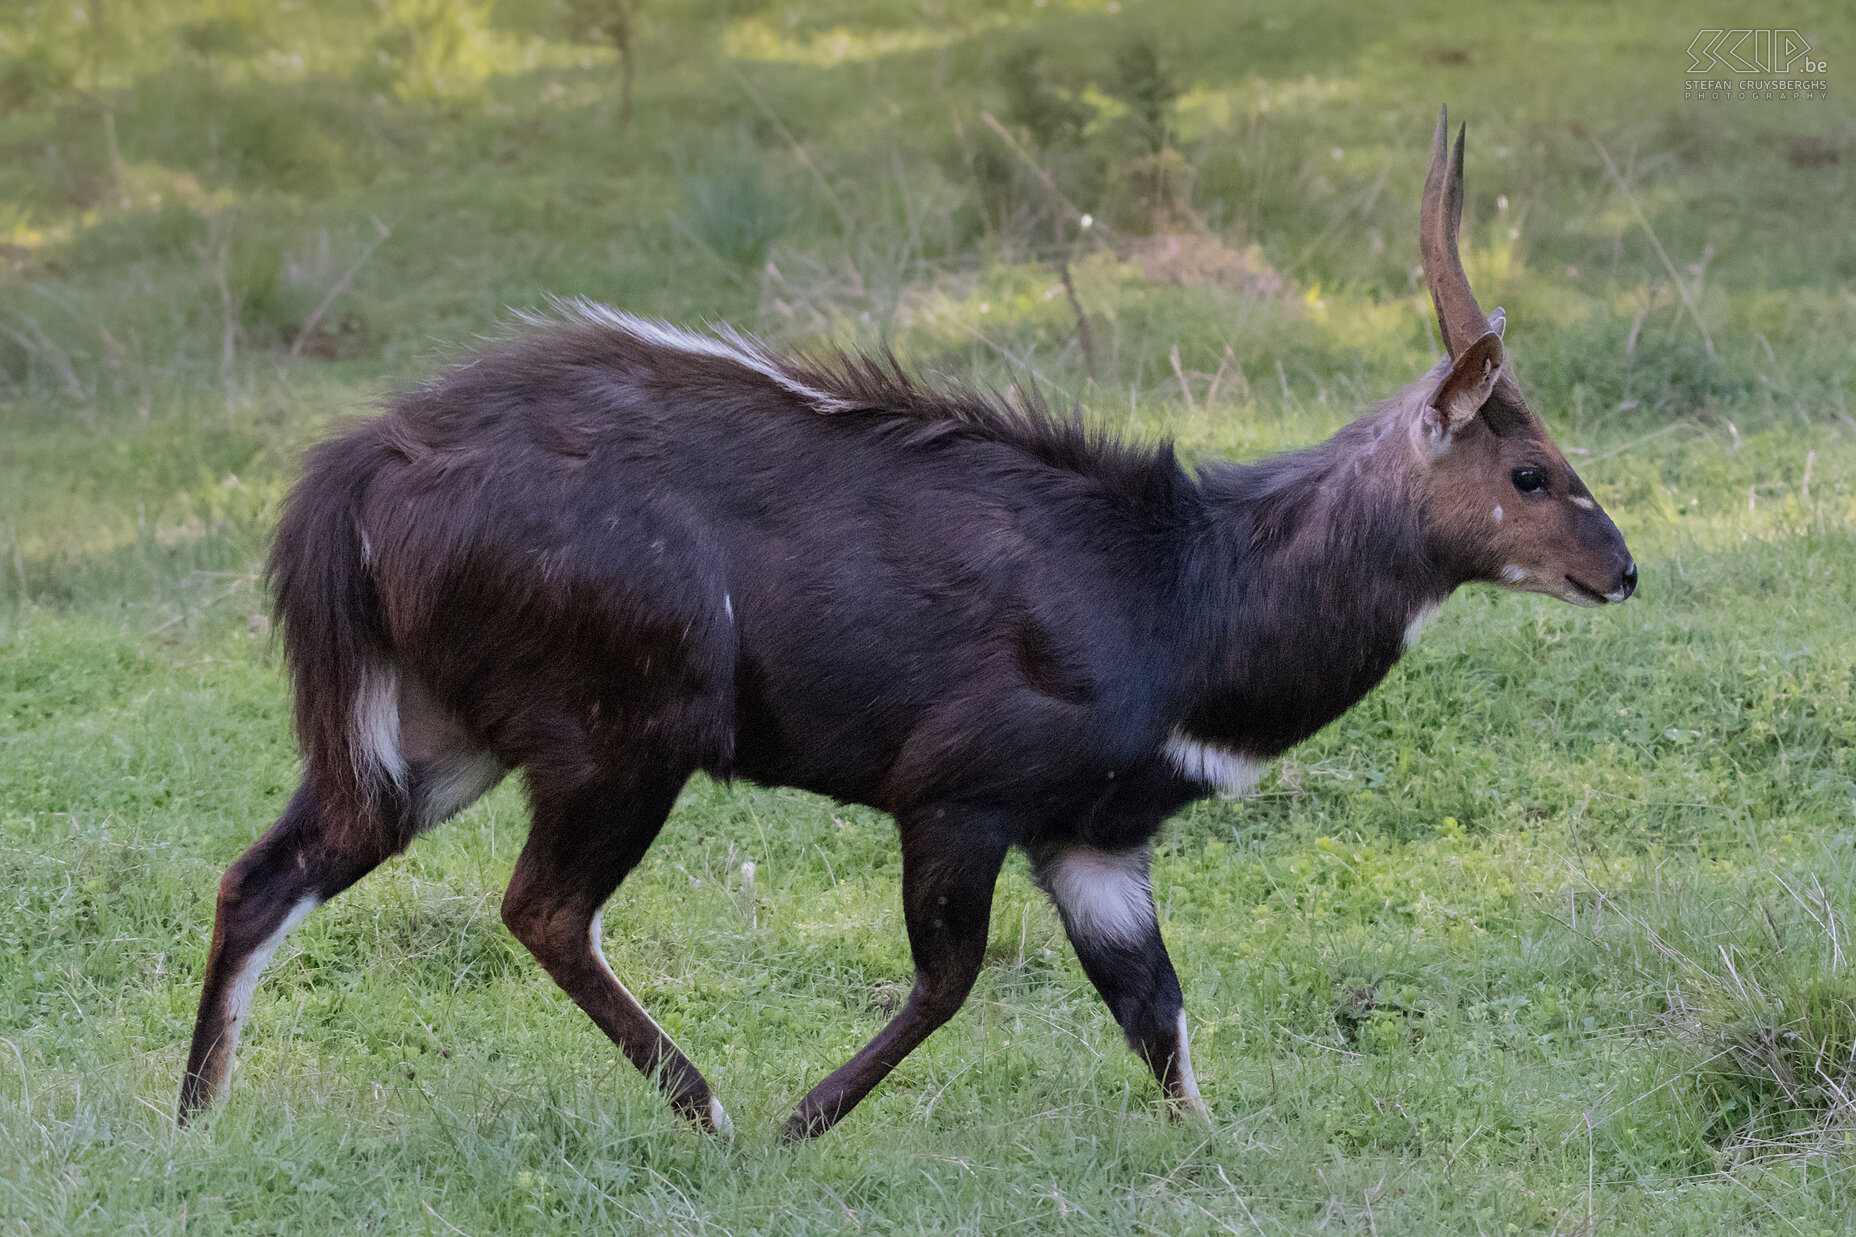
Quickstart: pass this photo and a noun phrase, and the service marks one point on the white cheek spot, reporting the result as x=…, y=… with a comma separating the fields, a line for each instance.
x=238, y=1000
x=1514, y=574
x=1498, y=513
x=1103, y=896
x=1182, y=1073
x=1232, y=772
x=1583, y=503
x=1420, y=621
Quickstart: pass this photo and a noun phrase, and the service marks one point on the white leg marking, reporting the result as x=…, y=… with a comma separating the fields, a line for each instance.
x=1232, y=772
x=1182, y=1069
x=238, y=1000
x=377, y=725
x=1418, y=623
x=718, y=1116
x=1103, y=896
x=596, y=935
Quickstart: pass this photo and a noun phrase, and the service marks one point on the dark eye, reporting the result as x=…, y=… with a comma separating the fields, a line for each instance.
x=1527, y=480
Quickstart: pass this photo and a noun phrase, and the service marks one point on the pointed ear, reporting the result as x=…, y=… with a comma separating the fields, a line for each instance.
x=1498, y=321
x=1465, y=389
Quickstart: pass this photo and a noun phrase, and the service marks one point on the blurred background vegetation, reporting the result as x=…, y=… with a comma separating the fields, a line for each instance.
x=242, y=214
x=1549, y=935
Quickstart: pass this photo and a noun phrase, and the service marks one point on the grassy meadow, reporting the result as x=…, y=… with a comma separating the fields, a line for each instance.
x=1551, y=934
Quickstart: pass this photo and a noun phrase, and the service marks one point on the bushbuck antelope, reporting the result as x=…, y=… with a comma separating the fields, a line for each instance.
x=611, y=553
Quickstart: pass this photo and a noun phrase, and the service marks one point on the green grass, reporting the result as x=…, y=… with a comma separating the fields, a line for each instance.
x=1550, y=934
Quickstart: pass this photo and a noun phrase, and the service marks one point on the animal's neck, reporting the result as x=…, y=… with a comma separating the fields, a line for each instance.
x=1314, y=569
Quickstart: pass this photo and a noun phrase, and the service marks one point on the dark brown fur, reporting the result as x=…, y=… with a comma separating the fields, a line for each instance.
x=612, y=555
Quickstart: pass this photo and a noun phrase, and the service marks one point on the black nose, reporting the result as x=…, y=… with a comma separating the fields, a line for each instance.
x=1630, y=581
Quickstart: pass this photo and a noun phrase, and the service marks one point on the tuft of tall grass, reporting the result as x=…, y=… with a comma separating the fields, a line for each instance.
x=729, y=204
x=1753, y=1001
x=1780, y=1076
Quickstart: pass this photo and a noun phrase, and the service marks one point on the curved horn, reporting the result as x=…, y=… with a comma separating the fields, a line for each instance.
x=1457, y=312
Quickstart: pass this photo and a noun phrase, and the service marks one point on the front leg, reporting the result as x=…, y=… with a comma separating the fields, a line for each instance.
x=1107, y=906
x=950, y=862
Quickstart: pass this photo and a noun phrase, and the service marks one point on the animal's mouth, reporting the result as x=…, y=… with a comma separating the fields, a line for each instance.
x=1588, y=594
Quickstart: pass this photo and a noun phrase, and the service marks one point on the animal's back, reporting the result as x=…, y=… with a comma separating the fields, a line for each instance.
x=722, y=548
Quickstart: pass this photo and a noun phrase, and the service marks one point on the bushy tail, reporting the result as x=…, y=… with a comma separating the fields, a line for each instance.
x=321, y=574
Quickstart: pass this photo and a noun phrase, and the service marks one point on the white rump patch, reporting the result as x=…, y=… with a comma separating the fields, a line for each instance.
x=1103, y=896
x=1514, y=574
x=718, y=1117
x=727, y=344
x=1420, y=621
x=1232, y=772
x=1583, y=503
x=1182, y=1069
x=377, y=724
x=238, y=1000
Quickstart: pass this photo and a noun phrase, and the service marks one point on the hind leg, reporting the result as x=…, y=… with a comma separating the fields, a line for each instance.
x=586, y=837
x=949, y=866
x=317, y=849
x=305, y=859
